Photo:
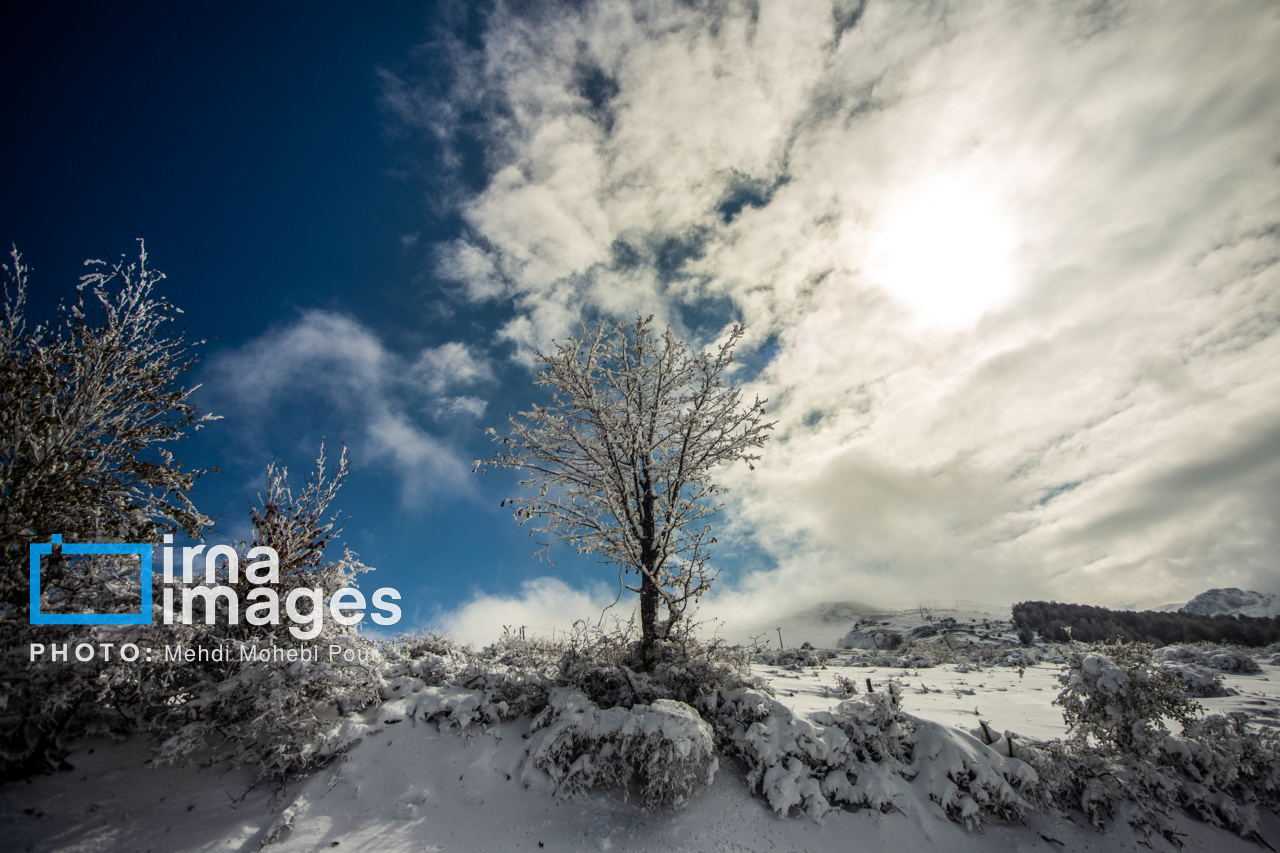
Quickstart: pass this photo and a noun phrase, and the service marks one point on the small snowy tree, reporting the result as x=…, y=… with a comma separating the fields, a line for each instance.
x=276, y=714
x=620, y=461
x=1120, y=695
x=90, y=408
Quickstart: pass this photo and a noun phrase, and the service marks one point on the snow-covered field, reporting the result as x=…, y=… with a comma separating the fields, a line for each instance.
x=411, y=786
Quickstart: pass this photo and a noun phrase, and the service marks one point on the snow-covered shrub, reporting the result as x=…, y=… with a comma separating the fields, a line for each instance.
x=846, y=686
x=1019, y=657
x=1052, y=653
x=44, y=706
x=280, y=715
x=1122, y=764
x=792, y=658
x=1120, y=694
x=90, y=408
x=608, y=667
x=785, y=753
x=430, y=678
x=1234, y=758
x=1228, y=660
x=598, y=720
x=909, y=659
x=967, y=777
x=1200, y=682
x=788, y=756
x=664, y=748
x=864, y=753
x=1219, y=771
x=427, y=655
x=1224, y=660
x=1107, y=786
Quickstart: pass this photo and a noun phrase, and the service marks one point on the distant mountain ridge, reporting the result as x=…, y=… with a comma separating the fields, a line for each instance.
x=1230, y=601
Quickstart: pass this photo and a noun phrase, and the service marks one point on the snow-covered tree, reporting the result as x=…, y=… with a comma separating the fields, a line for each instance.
x=275, y=714
x=620, y=461
x=1120, y=695
x=90, y=408
x=300, y=526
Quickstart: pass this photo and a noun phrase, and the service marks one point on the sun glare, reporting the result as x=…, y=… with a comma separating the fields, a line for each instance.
x=947, y=253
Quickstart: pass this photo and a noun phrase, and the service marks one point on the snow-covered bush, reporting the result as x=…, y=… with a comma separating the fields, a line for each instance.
x=664, y=748
x=283, y=716
x=90, y=408
x=911, y=659
x=1019, y=657
x=1200, y=682
x=1226, y=770
x=924, y=651
x=792, y=658
x=968, y=778
x=1120, y=694
x=845, y=686
x=599, y=721
x=785, y=753
x=1219, y=771
x=426, y=655
x=1224, y=660
x=865, y=753
x=608, y=666
x=1228, y=660
x=1122, y=764
x=1105, y=785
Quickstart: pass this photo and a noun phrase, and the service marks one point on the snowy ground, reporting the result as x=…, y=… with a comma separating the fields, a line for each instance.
x=412, y=787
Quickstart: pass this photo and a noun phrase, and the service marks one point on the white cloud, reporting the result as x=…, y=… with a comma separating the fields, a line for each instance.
x=544, y=606
x=449, y=366
x=329, y=362
x=1021, y=264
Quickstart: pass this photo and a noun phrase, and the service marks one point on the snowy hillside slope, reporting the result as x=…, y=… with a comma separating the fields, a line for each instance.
x=969, y=623
x=824, y=625
x=1233, y=602
x=411, y=786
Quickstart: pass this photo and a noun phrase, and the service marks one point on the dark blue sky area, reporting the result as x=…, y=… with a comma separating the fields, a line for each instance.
x=244, y=143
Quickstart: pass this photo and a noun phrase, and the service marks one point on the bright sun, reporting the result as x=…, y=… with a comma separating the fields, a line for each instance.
x=947, y=253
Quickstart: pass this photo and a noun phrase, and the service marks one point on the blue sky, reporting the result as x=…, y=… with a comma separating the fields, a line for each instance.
x=1008, y=271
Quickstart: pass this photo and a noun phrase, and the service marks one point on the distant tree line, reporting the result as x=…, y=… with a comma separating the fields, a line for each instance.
x=1064, y=622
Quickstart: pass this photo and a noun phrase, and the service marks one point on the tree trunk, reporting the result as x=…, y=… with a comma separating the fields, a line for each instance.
x=648, y=586
x=648, y=622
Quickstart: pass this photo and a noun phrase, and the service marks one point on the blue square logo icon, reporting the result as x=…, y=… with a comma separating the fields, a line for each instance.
x=39, y=549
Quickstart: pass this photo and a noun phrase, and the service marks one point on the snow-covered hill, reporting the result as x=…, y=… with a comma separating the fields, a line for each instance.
x=965, y=622
x=1233, y=602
